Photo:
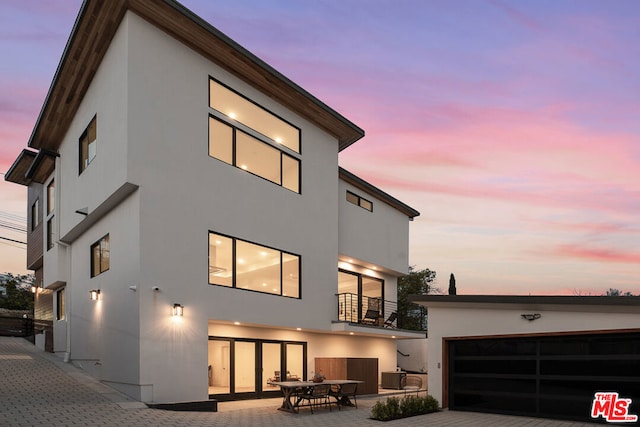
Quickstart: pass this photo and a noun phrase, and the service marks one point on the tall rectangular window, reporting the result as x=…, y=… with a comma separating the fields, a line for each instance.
x=244, y=265
x=88, y=145
x=60, y=305
x=100, y=256
x=247, y=136
x=50, y=225
x=35, y=214
x=51, y=201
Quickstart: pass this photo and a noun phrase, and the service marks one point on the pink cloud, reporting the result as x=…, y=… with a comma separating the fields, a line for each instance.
x=597, y=254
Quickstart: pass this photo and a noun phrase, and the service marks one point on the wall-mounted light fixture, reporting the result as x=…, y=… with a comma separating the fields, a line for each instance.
x=94, y=294
x=178, y=310
x=34, y=289
x=531, y=316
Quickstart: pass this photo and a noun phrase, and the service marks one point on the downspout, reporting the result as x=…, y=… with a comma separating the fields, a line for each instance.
x=67, y=294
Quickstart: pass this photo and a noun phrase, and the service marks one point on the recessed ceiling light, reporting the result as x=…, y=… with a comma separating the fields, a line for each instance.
x=232, y=115
x=350, y=333
x=236, y=323
x=298, y=329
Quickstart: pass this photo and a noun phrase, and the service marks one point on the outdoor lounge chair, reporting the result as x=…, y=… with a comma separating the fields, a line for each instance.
x=371, y=317
x=389, y=322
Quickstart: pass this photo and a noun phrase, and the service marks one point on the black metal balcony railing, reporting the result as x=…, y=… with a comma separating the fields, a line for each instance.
x=365, y=310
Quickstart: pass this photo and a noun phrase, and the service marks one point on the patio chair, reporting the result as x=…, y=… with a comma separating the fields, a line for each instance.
x=411, y=383
x=316, y=395
x=389, y=322
x=371, y=317
x=345, y=393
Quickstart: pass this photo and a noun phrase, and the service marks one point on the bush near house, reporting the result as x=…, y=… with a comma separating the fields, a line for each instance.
x=409, y=406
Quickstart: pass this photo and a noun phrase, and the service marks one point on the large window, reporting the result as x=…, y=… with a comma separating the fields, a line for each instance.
x=100, y=256
x=240, y=264
x=245, y=135
x=88, y=145
x=359, y=294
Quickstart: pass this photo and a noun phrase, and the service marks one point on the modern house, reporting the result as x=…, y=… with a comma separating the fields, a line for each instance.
x=191, y=232
x=543, y=356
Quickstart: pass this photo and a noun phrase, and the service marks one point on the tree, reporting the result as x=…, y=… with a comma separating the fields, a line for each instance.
x=412, y=316
x=452, y=284
x=19, y=295
x=612, y=292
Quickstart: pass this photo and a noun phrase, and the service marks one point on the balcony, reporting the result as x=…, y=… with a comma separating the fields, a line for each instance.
x=369, y=311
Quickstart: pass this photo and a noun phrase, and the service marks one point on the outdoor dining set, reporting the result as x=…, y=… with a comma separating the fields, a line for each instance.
x=297, y=394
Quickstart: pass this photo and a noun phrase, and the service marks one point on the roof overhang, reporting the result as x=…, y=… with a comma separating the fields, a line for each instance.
x=32, y=166
x=363, y=185
x=94, y=28
x=519, y=302
x=17, y=173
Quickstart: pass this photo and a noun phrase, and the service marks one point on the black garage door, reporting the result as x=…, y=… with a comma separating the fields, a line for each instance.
x=543, y=376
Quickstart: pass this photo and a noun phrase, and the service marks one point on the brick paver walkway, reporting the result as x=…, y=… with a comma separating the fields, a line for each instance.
x=38, y=389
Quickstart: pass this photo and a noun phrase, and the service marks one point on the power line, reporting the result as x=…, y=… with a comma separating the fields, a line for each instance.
x=12, y=240
x=10, y=226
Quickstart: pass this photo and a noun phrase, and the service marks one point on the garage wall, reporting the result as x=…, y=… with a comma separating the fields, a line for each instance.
x=474, y=322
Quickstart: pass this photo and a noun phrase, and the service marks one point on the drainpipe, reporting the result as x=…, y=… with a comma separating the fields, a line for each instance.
x=67, y=297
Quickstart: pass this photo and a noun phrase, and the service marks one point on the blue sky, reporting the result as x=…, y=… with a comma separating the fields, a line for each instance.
x=511, y=126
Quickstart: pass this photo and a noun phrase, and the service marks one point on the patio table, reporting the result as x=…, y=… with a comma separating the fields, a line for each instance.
x=290, y=389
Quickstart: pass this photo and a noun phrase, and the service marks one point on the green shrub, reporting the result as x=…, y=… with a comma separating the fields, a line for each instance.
x=409, y=406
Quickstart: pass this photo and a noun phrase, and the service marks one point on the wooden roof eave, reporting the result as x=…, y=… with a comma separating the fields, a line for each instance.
x=94, y=28
x=17, y=173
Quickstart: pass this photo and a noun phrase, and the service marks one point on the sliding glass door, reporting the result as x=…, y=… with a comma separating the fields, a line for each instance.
x=242, y=368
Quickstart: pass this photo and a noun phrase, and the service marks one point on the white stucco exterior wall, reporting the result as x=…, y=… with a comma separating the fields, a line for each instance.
x=185, y=193
x=380, y=237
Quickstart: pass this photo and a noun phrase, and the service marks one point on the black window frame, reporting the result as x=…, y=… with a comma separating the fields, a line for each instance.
x=81, y=166
x=234, y=240
x=247, y=130
x=94, y=272
x=61, y=311
x=35, y=214
x=360, y=200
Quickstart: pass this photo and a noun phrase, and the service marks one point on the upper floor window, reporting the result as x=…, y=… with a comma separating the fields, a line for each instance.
x=245, y=135
x=100, y=256
x=359, y=201
x=35, y=214
x=51, y=201
x=88, y=145
x=240, y=264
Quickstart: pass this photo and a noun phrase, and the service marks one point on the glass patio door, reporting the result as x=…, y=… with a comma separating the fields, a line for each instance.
x=244, y=367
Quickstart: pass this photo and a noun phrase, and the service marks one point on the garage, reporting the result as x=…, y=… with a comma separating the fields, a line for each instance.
x=543, y=376
x=540, y=356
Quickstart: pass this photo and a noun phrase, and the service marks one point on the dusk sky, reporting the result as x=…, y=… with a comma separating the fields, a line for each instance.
x=512, y=126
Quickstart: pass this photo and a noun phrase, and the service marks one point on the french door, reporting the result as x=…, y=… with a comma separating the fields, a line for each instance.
x=242, y=368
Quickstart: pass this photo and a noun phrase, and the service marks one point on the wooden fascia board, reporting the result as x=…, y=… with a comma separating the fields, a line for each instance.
x=95, y=26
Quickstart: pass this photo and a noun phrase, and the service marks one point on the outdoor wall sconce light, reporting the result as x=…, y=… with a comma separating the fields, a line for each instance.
x=531, y=317
x=94, y=294
x=34, y=289
x=178, y=310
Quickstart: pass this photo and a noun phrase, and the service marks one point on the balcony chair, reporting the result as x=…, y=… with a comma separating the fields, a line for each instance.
x=389, y=322
x=371, y=317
